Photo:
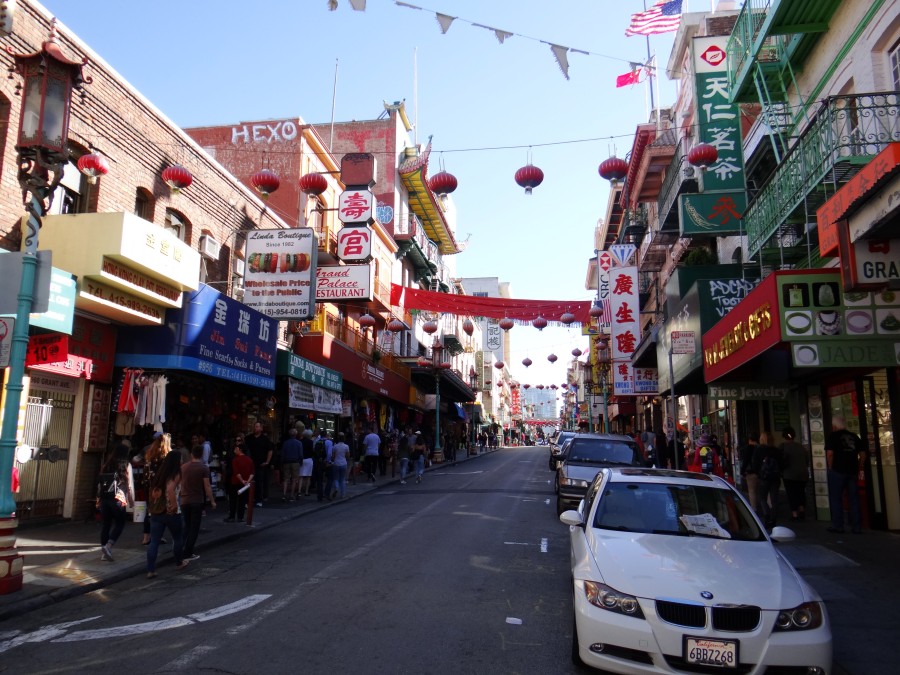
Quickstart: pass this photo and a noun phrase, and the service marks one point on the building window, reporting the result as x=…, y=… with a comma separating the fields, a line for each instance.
x=143, y=204
x=480, y=294
x=894, y=56
x=68, y=197
x=175, y=223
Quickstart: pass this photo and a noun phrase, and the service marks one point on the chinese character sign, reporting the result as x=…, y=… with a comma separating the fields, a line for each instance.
x=356, y=206
x=719, y=121
x=626, y=331
x=355, y=244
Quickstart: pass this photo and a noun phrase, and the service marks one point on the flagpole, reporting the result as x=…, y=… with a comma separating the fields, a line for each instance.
x=647, y=37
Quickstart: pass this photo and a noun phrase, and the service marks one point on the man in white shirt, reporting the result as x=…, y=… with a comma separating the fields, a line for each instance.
x=371, y=444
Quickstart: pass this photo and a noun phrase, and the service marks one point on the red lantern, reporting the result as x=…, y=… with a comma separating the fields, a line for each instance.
x=567, y=318
x=527, y=386
x=540, y=323
x=552, y=358
x=422, y=362
x=313, y=184
x=527, y=362
x=613, y=169
x=540, y=386
x=529, y=176
x=499, y=365
x=445, y=365
x=93, y=166
x=602, y=345
x=430, y=327
x=442, y=183
x=577, y=352
x=177, y=177
x=396, y=326
x=468, y=327
x=596, y=311
x=554, y=387
x=265, y=182
x=703, y=155
x=506, y=323
x=367, y=321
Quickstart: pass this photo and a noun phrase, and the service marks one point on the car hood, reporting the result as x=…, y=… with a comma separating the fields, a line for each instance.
x=681, y=568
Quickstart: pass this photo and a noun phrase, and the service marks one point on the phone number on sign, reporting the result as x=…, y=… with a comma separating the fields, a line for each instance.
x=124, y=301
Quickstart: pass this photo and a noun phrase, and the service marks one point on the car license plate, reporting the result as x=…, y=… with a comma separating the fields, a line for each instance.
x=705, y=652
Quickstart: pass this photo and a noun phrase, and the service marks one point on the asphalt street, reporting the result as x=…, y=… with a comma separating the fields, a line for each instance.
x=467, y=572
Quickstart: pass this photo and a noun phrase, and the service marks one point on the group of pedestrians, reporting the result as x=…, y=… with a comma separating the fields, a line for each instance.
x=177, y=490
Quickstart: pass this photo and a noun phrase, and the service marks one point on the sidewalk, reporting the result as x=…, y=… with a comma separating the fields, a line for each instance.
x=62, y=560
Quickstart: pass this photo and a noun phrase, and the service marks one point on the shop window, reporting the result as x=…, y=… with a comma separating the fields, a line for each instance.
x=70, y=195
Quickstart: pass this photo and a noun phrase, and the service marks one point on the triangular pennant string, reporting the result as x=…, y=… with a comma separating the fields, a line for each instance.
x=562, y=60
x=445, y=22
x=358, y=5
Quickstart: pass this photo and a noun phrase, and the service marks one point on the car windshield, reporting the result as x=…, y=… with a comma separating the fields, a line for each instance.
x=599, y=451
x=677, y=510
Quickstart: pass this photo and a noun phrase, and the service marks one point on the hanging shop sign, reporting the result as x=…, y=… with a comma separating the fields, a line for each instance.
x=305, y=396
x=749, y=391
x=129, y=270
x=711, y=213
x=345, y=282
x=46, y=348
x=354, y=244
x=305, y=370
x=90, y=352
x=646, y=381
x=719, y=125
x=280, y=273
x=853, y=193
x=211, y=334
x=356, y=206
x=869, y=264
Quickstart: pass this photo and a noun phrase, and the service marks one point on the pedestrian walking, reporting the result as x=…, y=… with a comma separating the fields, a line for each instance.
x=419, y=451
x=163, y=509
x=340, y=454
x=308, y=464
x=768, y=464
x=196, y=492
x=260, y=449
x=239, y=487
x=845, y=457
x=115, y=493
x=796, y=473
x=749, y=477
x=149, y=461
x=291, y=456
x=371, y=447
x=404, y=449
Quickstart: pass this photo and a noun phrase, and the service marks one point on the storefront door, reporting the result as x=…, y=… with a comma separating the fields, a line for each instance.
x=882, y=458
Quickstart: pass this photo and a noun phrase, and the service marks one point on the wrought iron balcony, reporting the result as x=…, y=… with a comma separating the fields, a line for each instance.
x=842, y=136
x=413, y=243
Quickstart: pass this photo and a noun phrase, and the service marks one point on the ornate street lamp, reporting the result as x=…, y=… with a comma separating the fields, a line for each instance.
x=49, y=78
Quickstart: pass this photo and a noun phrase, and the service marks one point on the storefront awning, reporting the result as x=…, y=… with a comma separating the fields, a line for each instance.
x=452, y=386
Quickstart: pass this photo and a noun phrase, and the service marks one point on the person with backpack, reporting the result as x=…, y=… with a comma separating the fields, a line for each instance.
x=768, y=462
x=322, y=477
x=115, y=493
x=704, y=458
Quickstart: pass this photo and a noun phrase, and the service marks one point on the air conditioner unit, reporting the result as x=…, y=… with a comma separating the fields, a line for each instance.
x=209, y=247
x=237, y=266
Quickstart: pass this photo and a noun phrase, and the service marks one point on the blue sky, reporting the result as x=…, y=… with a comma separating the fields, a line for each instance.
x=205, y=63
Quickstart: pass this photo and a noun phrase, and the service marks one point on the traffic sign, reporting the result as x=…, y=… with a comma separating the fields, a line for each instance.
x=683, y=342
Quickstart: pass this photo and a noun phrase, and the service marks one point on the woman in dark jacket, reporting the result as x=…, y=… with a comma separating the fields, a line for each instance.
x=768, y=463
x=796, y=473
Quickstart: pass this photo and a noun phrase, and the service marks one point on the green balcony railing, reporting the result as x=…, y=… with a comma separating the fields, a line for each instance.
x=846, y=130
x=742, y=44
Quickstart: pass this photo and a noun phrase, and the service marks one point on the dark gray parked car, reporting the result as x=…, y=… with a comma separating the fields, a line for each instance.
x=556, y=444
x=585, y=455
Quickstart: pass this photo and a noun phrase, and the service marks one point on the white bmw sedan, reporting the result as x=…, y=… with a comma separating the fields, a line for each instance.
x=673, y=573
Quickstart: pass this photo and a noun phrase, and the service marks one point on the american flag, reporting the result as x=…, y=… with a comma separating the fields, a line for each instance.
x=663, y=17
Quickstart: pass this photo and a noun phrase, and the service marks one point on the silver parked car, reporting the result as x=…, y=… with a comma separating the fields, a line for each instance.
x=585, y=455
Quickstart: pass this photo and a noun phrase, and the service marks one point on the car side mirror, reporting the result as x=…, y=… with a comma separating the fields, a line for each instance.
x=571, y=518
x=782, y=534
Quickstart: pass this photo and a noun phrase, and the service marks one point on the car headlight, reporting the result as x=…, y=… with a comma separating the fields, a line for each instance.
x=804, y=617
x=604, y=597
x=574, y=482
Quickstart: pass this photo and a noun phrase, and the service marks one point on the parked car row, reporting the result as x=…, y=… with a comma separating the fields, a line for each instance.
x=673, y=572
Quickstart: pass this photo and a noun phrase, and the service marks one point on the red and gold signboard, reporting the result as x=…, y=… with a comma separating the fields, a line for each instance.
x=91, y=352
